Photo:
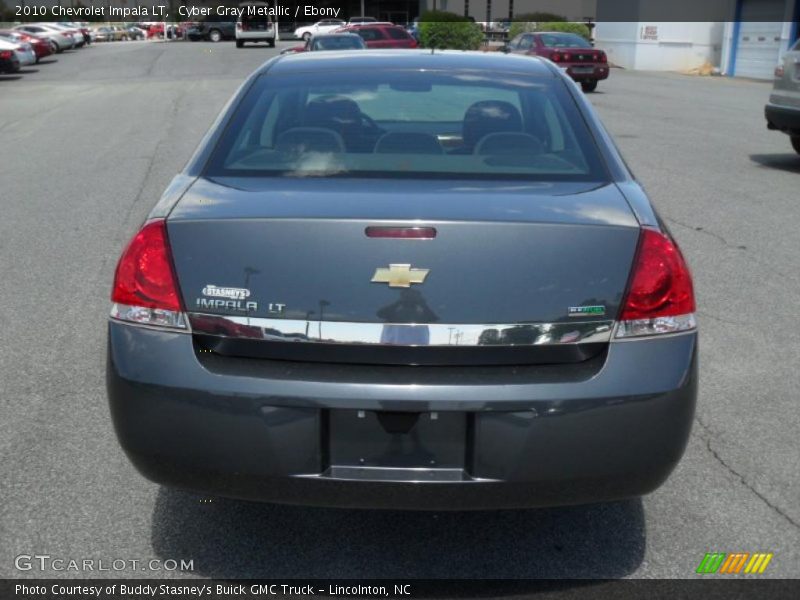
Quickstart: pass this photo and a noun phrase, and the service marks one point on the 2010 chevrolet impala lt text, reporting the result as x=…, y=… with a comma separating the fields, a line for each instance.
x=405, y=279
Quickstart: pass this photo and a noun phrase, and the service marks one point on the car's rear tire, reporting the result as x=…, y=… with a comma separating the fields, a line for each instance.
x=239, y=44
x=215, y=35
x=796, y=143
x=589, y=86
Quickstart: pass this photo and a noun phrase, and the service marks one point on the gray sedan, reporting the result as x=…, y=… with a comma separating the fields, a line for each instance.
x=405, y=279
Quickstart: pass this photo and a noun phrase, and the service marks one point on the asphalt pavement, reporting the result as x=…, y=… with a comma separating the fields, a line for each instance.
x=89, y=139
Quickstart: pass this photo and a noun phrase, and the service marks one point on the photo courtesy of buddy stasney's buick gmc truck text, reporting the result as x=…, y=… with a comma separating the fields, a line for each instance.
x=404, y=278
x=147, y=590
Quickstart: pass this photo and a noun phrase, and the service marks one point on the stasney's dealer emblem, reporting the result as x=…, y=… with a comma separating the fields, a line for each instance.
x=226, y=298
x=399, y=275
x=226, y=292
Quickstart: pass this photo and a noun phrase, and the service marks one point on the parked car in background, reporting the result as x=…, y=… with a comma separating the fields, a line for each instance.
x=9, y=62
x=104, y=34
x=574, y=54
x=212, y=31
x=83, y=29
x=76, y=34
x=335, y=41
x=135, y=33
x=255, y=28
x=41, y=46
x=59, y=40
x=413, y=29
x=329, y=41
x=783, y=109
x=154, y=30
x=382, y=35
x=24, y=51
x=324, y=26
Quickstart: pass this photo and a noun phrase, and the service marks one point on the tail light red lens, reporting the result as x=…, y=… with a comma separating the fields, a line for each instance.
x=145, y=287
x=660, y=297
x=6, y=54
x=555, y=57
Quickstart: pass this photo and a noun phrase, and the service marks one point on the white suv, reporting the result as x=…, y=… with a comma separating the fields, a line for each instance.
x=255, y=25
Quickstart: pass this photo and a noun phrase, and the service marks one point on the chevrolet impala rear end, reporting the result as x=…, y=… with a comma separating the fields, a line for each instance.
x=404, y=279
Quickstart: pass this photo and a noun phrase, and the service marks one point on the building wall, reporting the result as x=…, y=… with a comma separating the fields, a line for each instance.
x=661, y=46
x=573, y=10
x=788, y=34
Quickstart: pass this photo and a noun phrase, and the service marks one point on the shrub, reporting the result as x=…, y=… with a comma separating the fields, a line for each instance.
x=439, y=29
x=576, y=28
x=527, y=22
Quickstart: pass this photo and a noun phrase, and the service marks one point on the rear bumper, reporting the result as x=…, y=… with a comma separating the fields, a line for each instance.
x=582, y=72
x=9, y=65
x=274, y=432
x=783, y=118
x=255, y=36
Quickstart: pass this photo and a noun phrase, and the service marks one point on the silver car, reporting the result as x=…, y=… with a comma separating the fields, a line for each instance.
x=59, y=39
x=783, y=109
x=25, y=53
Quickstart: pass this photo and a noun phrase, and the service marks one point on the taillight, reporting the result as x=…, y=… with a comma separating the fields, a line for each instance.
x=145, y=288
x=660, y=297
x=779, y=72
x=555, y=57
x=6, y=54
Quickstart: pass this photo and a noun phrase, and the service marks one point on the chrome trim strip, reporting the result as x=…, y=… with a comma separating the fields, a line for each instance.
x=402, y=334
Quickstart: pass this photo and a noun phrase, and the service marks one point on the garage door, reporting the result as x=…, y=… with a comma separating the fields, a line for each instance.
x=759, y=41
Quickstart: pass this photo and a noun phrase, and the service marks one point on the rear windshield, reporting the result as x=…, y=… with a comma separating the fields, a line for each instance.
x=408, y=124
x=337, y=42
x=563, y=40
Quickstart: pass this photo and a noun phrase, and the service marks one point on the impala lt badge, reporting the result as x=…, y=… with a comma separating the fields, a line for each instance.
x=399, y=275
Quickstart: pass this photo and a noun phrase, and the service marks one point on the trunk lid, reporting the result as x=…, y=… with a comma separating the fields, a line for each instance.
x=298, y=251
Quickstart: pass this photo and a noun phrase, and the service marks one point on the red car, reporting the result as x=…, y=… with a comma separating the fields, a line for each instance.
x=571, y=52
x=381, y=35
x=41, y=47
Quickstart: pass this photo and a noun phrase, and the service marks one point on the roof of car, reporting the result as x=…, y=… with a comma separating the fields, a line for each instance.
x=343, y=34
x=408, y=59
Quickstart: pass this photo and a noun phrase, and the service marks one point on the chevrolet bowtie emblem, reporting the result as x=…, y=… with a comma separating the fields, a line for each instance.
x=399, y=275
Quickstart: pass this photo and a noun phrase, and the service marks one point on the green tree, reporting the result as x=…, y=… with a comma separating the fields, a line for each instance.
x=576, y=28
x=439, y=29
x=529, y=21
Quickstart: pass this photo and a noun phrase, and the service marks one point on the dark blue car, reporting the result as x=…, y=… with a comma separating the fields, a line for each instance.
x=405, y=279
